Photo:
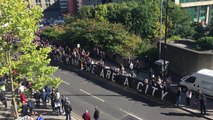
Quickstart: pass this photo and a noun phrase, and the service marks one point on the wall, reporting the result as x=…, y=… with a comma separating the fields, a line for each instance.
x=184, y=61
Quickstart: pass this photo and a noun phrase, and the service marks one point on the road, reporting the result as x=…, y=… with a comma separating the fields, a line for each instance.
x=86, y=92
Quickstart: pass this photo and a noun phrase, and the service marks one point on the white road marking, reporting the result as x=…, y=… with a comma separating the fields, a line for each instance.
x=92, y=95
x=130, y=114
x=65, y=82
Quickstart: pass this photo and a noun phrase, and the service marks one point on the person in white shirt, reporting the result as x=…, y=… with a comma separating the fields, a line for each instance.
x=188, y=97
x=21, y=88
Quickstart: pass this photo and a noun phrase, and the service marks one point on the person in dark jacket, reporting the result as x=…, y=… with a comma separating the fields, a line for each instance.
x=48, y=91
x=178, y=96
x=67, y=109
x=202, y=100
x=37, y=98
x=96, y=114
x=43, y=98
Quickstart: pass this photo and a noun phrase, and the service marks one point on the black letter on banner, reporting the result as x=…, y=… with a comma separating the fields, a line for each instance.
x=126, y=82
x=163, y=94
x=153, y=92
x=88, y=67
x=138, y=86
x=102, y=73
x=108, y=74
x=93, y=67
x=113, y=76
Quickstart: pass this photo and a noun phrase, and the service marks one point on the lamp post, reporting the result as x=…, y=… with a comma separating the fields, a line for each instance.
x=165, y=40
x=161, y=23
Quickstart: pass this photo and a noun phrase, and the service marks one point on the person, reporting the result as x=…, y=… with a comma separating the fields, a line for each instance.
x=178, y=96
x=39, y=117
x=43, y=98
x=137, y=67
x=58, y=102
x=96, y=114
x=53, y=98
x=63, y=100
x=37, y=98
x=86, y=115
x=68, y=109
x=188, y=97
x=47, y=90
x=30, y=105
x=202, y=100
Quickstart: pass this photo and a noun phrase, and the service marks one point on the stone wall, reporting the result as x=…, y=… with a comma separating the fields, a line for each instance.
x=184, y=61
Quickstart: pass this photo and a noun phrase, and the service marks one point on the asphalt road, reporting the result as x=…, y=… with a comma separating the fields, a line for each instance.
x=86, y=92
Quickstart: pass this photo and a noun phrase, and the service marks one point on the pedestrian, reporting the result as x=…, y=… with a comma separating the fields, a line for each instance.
x=178, y=96
x=202, y=100
x=188, y=97
x=137, y=66
x=43, y=98
x=30, y=105
x=58, y=102
x=67, y=109
x=86, y=115
x=63, y=100
x=48, y=91
x=37, y=98
x=96, y=113
x=53, y=98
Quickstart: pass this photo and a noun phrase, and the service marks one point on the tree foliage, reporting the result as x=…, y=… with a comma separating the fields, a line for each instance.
x=112, y=37
x=19, y=24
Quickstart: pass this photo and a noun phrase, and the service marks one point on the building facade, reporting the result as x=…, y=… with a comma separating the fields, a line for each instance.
x=200, y=10
x=51, y=8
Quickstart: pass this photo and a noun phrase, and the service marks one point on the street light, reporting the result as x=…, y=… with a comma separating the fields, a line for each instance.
x=161, y=23
x=166, y=26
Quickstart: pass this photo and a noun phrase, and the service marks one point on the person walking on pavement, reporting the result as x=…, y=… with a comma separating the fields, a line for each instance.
x=43, y=97
x=202, y=100
x=68, y=109
x=47, y=90
x=96, y=113
x=58, y=102
x=188, y=97
x=37, y=98
x=86, y=115
x=178, y=96
x=53, y=98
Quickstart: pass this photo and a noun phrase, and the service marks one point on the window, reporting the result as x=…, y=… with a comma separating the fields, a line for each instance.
x=191, y=79
x=38, y=1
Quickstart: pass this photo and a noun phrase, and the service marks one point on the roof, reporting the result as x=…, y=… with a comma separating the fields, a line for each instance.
x=206, y=72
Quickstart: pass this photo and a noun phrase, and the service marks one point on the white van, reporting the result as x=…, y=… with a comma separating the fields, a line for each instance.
x=202, y=80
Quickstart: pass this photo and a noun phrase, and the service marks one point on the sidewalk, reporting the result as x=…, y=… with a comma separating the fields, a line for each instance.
x=5, y=114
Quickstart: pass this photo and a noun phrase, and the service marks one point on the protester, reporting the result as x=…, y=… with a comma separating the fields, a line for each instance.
x=202, y=100
x=86, y=115
x=178, y=96
x=188, y=97
x=68, y=109
x=96, y=113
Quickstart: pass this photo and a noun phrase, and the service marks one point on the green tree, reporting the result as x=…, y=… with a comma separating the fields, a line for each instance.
x=18, y=24
x=179, y=21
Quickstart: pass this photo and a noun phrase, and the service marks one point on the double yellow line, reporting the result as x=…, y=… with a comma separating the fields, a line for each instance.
x=76, y=116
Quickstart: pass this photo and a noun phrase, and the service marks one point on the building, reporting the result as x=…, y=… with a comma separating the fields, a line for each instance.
x=200, y=10
x=52, y=8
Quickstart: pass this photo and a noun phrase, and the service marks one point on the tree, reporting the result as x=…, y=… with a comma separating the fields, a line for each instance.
x=18, y=24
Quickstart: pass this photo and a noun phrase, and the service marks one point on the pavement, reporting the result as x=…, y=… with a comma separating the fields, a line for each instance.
x=5, y=113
